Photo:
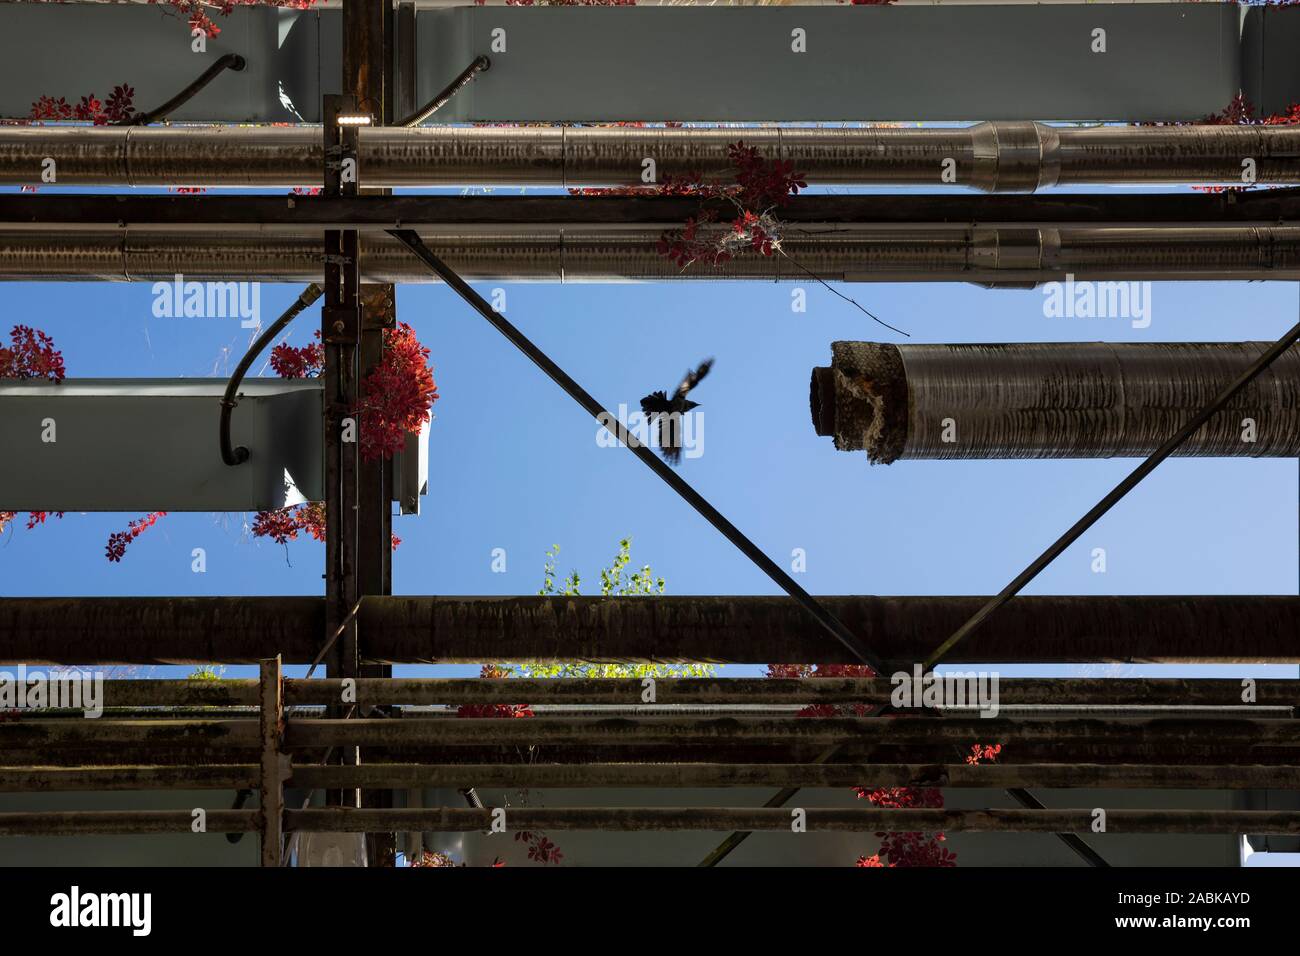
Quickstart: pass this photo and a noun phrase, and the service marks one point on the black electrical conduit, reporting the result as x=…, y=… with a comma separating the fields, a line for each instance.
x=480, y=64
x=239, y=455
x=231, y=61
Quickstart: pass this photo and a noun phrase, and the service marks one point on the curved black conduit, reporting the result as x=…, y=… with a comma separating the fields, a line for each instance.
x=231, y=61
x=480, y=64
x=237, y=456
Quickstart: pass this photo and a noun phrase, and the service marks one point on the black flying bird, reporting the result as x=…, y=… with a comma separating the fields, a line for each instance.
x=667, y=412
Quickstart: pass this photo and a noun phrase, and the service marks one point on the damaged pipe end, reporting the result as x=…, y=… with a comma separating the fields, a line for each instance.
x=861, y=400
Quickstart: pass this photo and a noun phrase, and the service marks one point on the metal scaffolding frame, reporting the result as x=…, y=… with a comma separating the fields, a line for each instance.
x=269, y=734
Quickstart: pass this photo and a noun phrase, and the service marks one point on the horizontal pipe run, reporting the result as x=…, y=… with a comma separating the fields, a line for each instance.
x=1058, y=400
x=232, y=213
x=759, y=630
x=210, y=736
x=625, y=819
x=125, y=822
x=406, y=691
x=320, y=733
x=855, y=819
x=310, y=733
x=566, y=776
x=994, y=157
x=990, y=255
x=45, y=779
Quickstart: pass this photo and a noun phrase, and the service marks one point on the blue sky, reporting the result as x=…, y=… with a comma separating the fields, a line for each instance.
x=515, y=464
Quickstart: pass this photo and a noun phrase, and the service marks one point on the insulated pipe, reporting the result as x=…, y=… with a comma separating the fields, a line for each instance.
x=995, y=157
x=1071, y=400
x=932, y=253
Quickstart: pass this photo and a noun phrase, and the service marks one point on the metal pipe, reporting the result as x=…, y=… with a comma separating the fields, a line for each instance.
x=410, y=629
x=817, y=818
x=988, y=255
x=995, y=157
x=128, y=822
x=689, y=691
x=1058, y=400
x=624, y=819
x=43, y=779
x=1052, y=776
x=310, y=733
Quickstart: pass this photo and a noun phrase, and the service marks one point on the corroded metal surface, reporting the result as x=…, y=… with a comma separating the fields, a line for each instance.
x=997, y=157
x=1058, y=400
x=1213, y=628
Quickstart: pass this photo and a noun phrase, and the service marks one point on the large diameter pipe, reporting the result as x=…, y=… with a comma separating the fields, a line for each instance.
x=995, y=157
x=1020, y=256
x=1071, y=400
x=173, y=630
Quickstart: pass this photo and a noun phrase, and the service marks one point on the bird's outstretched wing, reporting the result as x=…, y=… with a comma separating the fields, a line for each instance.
x=694, y=378
x=670, y=438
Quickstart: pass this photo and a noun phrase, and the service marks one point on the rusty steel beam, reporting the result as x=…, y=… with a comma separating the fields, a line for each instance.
x=817, y=818
x=368, y=212
x=1012, y=691
x=624, y=819
x=125, y=822
x=762, y=630
x=997, y=775
x=184, y=776
x=317, y=734
x=1105, y=752
x=666, y=775
x=274, y=766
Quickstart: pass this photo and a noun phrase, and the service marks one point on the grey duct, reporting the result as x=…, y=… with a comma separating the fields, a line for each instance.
x=995, y=157
x=1071, y=400
x=986, y=255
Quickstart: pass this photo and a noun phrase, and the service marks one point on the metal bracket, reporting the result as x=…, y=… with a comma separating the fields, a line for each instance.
x=341, y=324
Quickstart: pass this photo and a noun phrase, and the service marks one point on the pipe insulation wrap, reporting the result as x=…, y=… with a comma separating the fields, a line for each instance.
x=994, y=157
x=1048, y=400
x=832, y=252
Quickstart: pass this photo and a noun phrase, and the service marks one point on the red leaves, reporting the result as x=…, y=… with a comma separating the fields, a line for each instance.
x=983, y=752
x=284, y=524
x=90, y=109
x=197, y=18
x=118, y=540
x=761, y=186
x=398, y=394
x=290, y=361
x=31, y=355
x=540, y=849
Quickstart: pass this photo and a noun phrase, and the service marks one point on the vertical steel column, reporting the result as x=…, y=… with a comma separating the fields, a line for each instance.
x=274, y=762
x=368, y=70
x=340, y=334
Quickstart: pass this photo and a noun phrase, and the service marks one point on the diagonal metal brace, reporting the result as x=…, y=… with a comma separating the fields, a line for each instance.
x=825, y=618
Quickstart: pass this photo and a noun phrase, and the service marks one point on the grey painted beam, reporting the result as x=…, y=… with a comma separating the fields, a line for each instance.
x=1163, y=61
x=151, y=444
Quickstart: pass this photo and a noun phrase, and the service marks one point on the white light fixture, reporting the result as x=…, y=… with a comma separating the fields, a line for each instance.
x=354, y=119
